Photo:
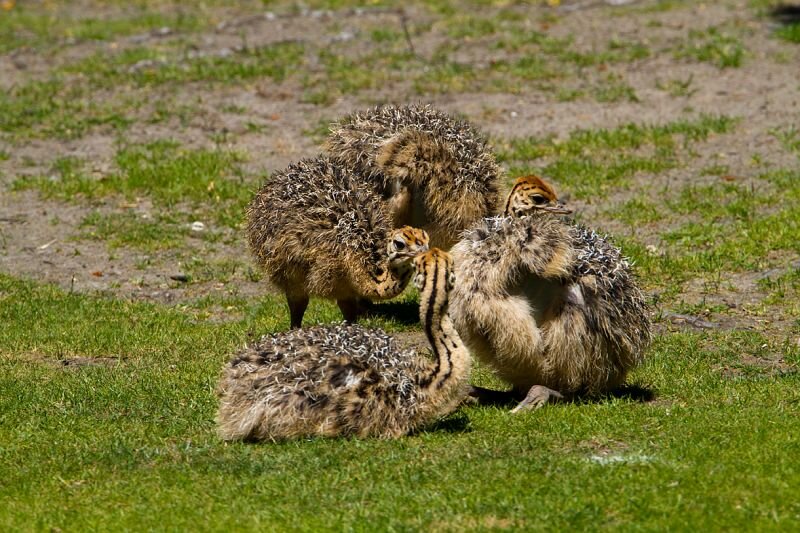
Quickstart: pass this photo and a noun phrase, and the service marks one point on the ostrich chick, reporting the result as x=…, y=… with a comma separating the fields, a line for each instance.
x=531, y=195
x=316, y=229
x=341, y=380
x=551, y=306
x=435, y=172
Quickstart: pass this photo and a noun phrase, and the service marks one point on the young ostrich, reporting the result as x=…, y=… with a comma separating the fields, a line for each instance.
x=530, y=195
x=551, y=306
x=338, y=380
x=316, y=229
x=435, y=172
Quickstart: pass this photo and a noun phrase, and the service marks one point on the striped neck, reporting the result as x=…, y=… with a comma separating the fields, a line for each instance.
x=451, y=357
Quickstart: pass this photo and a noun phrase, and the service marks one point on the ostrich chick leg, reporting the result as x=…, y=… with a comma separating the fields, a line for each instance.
x=538, y=396
x=298, y=302
x=350, y=309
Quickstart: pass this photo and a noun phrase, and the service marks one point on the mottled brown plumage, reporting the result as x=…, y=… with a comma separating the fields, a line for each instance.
x=318, y=229
x=435, y=172
x=342, y=380
x=551, y=306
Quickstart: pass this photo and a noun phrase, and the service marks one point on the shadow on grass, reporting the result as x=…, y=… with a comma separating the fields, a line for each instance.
x=786, y=14
x=633, y=393
x=406, y=313
x=630, y=392
x=458, y=423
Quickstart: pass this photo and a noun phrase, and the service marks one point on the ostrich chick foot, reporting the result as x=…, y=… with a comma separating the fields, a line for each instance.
x=538, y=396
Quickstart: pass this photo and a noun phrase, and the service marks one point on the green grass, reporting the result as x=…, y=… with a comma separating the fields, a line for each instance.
x=790, y=32
x=710, y=232
x=614, y=89
x=677, y=87
x=714, y=46
x=591, y=162
x=132, y=230
x=54, y=108
x=784, y=290
x=45, y=28
x=139, y=451
x=154, y=66
x=72, y=100
x=107, y=405
x=160, y=170
x=789, y=138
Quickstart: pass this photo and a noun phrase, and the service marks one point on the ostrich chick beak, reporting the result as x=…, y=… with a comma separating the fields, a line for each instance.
x=559, y=209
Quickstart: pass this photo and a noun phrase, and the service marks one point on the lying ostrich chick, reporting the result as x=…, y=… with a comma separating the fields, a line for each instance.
x=551, y=306
x=341, y=380
x=316, y=229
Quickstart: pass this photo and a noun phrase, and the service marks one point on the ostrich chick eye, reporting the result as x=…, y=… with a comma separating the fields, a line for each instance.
x=538, y=199
x=400, y=245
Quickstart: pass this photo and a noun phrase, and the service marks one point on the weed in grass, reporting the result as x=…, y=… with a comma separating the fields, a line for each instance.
x=614, y=89
x=715, y=170
x=789, y=138
x=714, y=46
x=677, y=87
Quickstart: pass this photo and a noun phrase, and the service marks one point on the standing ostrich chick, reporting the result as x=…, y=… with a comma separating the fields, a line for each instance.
x=316, y=229
x=551, y=306
x=435, y=172
x=347, y=380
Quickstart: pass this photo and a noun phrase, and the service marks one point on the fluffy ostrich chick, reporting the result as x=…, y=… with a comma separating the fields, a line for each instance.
x=551, y=306
x=340, y=380
x=317, y=229
x=435, y=172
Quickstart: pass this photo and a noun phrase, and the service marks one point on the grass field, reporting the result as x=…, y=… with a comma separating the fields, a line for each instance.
x=132, y=135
